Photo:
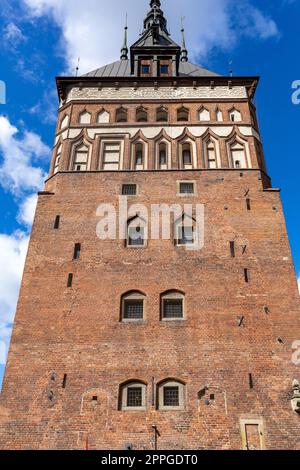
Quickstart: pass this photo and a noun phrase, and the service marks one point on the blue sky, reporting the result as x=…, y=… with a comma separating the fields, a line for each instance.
x=44, y=38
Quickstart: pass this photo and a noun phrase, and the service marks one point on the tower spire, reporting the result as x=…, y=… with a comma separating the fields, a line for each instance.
x=124, y=50
x=184, y=51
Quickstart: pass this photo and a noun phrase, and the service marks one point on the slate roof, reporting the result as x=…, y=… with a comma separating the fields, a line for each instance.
x=122, y=68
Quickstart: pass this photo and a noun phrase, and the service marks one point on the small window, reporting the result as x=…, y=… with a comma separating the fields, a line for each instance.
x=211, y=155
x=145, y=69
x=235, y=115
x=111, y=157
x=162, y=155
x=81, y=158
x=85, y=118
x=133, y=396
x=141, y=115
x=171, y=395
x=185, y=231
x=238, y=155
x=232, y=249
x=136, y=236
x=129, y=190
x=204, y=115
x=70, y=280
x=139, y=156
x=187, y=188
x=121, y=115
x=246, y=275
x=133, y=306
x=57, y=222
x=164, y=69
x=183, y=115
x=172, y=306
x=162, y=115
x=186, y=154
x=77, y=251
x=133, y=309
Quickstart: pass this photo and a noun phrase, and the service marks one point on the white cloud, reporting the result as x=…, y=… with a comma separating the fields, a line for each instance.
x=27, y=210
x=13, y=249
x=95, y=33
x=12, y=35
x=17, y=170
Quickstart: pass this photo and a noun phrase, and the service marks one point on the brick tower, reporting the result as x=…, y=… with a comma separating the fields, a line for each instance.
x=141, y=343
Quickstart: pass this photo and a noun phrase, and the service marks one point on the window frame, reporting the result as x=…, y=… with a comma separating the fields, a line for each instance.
x=181, y=194
x=129, y=184
x=132, y=296
x=181, y=395
x=123, y=396
x=172, y=295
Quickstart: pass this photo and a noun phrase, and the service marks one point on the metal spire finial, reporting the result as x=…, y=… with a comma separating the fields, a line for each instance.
x=124, y=50
x=184, y=51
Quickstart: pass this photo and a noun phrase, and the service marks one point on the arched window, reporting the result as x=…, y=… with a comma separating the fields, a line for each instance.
x=204, y=114
x=139, y=156
x=121, y=115
x=133, y=306
x=186, y=154
x=238, y=155
x=171, y=395
x=172, y=306
x=185, y=231
x=81, y=158
x=211, y=154
x=57, y=159
x=235, y=115
x=136, y=232
x=103, y=117
x=162, y=114
x=163, y=158
x=183, y=115
x=132, y=396
x=141, y=115
x=85, y=118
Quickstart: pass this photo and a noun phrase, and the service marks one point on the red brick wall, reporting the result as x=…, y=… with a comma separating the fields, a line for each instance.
x=77, y=331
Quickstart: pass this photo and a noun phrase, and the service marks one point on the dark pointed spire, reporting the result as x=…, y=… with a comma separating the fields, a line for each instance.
x=124, y=50
x=155, y=18
x=184, y=51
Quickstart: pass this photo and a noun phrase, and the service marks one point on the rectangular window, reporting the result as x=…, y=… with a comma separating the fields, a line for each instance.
x=145, y=69
x=136, y=236
x=77, y=251
x=64, y=383
x=70, y=280
x=248, y=204
x=185, y=235
x=164, y=69
x=187, y=188
x=57, y=222
x=171, y=396
x=129, y=190
x=133, y=309
x=232, y=249
x=246, y=275
x=111, y=156
x=134, y=397
x=172, y=308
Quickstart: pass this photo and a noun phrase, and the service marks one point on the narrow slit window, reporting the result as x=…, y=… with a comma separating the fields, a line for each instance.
x=64, y=383
x=246, y=275
x=57, y=222
x=70, y=280
x=232, y=249
x=77, y=251
x=248, y=204
x=251, y=383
